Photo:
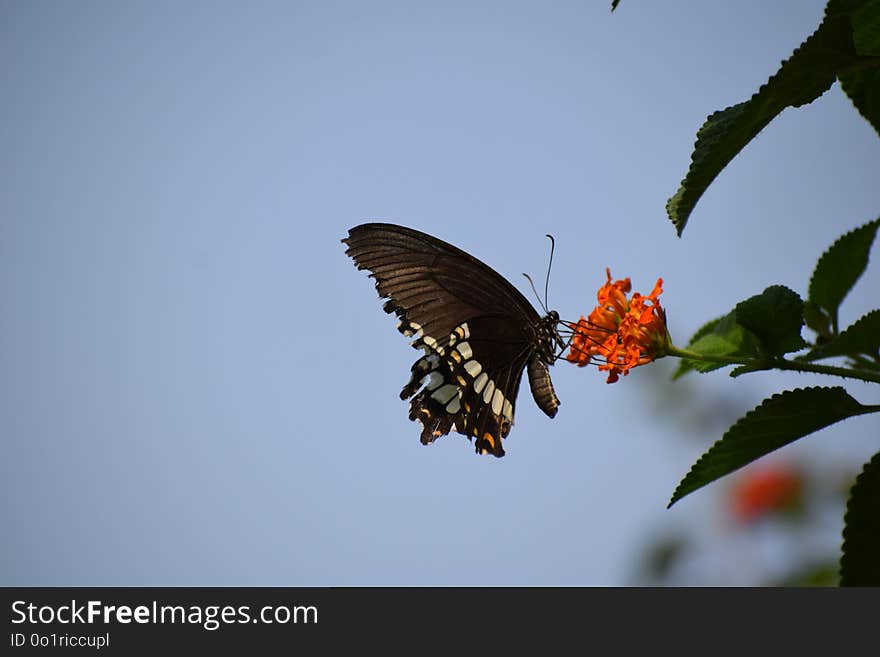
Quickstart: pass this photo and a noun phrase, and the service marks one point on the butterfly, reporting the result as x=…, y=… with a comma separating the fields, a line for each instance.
x=477, y=330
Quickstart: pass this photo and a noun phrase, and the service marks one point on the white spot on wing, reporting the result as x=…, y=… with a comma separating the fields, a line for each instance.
x=409, y=328
x=480, y=382
x=430, y=344
x=473, y=368
x=487, y=393
x=433, y=380
x=465, y=350
x=507, y=410
x=454, y=406
x=444, y=394
x=497, y=402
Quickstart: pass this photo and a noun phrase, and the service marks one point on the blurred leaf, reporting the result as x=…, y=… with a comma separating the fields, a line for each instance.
x=818, y=574
x=806, y=75
x=860, y=562
x=840, y=267
x=662, y=556
x=863, y=337
x=775, y=316
x=778, y=421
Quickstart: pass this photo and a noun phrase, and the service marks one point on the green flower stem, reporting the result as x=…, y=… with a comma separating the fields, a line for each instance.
x=777, y=363
x=845, y=372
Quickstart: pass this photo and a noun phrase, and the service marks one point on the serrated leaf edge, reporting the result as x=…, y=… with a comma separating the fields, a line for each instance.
x=675, y=498
x=674, y=201
x=875, y=223
x=872, y=467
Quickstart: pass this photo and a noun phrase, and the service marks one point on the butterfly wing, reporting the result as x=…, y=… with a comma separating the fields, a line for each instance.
x=478, y=333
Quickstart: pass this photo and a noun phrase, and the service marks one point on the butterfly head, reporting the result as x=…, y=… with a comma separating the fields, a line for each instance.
x=549, y=339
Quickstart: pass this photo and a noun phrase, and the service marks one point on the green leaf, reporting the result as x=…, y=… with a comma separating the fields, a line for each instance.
x=778, y=421
x=775, y=317
x=685, y=365
x=817, y=319
x=861, y=81
x=722, y=337
x=756, y=366
x=860, y=562
x=863, y=337
x=863, y=89
x=729, y=345
x=840, y=267
x=865, y=18
x=805, y=76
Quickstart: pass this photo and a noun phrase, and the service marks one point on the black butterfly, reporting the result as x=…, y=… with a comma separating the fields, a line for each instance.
x=477, y=330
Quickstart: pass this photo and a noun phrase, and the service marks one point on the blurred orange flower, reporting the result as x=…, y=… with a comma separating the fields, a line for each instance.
x=763, y=490
x=622, y=333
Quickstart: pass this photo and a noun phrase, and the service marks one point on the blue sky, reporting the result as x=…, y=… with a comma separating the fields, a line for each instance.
x=199, y=388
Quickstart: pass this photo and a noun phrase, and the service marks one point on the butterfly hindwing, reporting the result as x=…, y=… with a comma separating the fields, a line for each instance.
x=461, y=393
x=477, y=331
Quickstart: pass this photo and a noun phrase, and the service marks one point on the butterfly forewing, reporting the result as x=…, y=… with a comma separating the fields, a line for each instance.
x=478, y=333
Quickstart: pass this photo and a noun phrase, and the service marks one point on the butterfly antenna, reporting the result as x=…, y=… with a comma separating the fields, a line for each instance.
x=529, y=279
x=549, y=265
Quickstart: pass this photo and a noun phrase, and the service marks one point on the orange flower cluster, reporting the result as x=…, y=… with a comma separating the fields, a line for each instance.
x=622, y=333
